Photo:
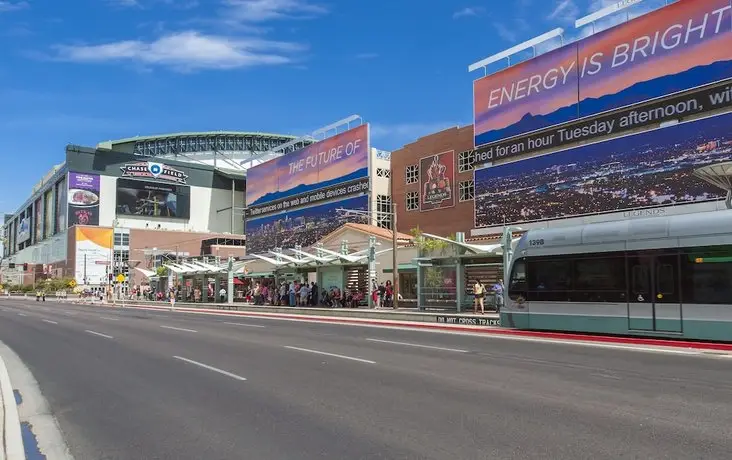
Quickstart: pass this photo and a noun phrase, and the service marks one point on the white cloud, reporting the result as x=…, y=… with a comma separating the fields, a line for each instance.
x=268, y=10
x=565, y=11
x=124, y=3
x=504, y=32
x=186, y=51
x=8, y=5
x=467, y=12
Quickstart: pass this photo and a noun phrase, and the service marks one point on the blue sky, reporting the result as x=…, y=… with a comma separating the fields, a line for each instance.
x=85, y=71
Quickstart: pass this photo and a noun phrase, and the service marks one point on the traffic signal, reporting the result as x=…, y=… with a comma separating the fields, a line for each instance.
x=11, y=265
x=111, y=277
x=25, y=267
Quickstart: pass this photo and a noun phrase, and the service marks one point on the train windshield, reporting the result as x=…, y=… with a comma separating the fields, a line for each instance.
x=517, y=283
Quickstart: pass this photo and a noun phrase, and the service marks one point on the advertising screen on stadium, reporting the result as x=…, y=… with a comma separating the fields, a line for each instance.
x=651, y=169
x=152, y=199
x=301, y=191
x=675, y=48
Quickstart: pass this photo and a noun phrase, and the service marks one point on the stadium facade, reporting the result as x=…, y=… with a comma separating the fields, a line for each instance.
x=129, y=203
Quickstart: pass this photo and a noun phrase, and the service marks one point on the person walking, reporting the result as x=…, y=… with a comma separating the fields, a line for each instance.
x=479, y=292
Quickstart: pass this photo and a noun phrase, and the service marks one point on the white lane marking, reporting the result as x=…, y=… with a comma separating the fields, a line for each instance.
x=416, y=345
x=69, y=313
x=108, y=318
x=49, y=321
x=211, y=368
x=22, y=314
x=99, y=334
x=243, y=324
x=332, y=354
x=477, y=334
x=178, y=329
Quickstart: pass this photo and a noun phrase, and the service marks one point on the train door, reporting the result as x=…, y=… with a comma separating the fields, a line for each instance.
x=654, y=301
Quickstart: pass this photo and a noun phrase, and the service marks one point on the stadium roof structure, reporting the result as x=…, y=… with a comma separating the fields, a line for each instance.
x=719, y=174
x=226, y=150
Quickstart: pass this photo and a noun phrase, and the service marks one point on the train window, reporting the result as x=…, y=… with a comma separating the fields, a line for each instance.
x=601, y=274
x=517, y=284
x=666, y=279
x=706, y=278
x=549, y=280
x=641, y=282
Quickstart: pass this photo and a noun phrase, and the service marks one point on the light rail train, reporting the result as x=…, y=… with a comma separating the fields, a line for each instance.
x=665, y=277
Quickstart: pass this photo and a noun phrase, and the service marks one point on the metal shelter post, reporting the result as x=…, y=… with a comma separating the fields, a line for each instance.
x=372, y=267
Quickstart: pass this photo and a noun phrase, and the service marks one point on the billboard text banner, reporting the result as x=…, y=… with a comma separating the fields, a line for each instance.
x=646, y=170
x=681, y=46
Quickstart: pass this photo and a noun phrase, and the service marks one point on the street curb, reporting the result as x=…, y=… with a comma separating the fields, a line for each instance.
x=13, y=448
x=484, y=330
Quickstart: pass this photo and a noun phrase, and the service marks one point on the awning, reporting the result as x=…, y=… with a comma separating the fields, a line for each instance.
x=238, y=282
x=403, y=268
x=147, y=273
x=178, y=268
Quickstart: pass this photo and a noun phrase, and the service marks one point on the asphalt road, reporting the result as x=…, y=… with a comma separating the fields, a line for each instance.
x=132, y=384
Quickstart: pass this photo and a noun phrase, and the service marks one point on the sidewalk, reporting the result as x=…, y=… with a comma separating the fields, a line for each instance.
x=411, y=315
x=12, y=439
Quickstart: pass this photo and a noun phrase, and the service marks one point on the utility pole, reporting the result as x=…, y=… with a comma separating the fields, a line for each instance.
x=395, y=264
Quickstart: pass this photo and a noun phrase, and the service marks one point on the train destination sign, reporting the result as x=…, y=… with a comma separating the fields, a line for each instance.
x=695, y=102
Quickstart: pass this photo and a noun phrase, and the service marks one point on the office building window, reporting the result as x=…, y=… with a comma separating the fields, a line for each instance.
x=383, y=211
x=412, y=201
x=412, y=174
x=467, y=190
x=466, y=160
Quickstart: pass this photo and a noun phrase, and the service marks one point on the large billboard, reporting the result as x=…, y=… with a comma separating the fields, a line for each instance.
x=38, y=221
x=48, y=220
x=61, y=205
x=153, y=199
x=93, y=246
x=303, y=227
x=437, y=181
x=24, y=230
x=681, y=46
x=83, y=198
x=336, y=160
x=308, y=185
x=645, y=170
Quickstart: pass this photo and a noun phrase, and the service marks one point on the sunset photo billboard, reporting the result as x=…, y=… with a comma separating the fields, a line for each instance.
x=339, y=158
x=681, y=46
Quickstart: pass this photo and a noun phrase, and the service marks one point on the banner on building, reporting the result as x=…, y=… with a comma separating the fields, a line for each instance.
x=681, y=46
x=83, y=198
x=653, y=169
x=437, y=181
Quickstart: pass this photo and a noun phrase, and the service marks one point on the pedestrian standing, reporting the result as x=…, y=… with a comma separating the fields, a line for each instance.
x=479, y=292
